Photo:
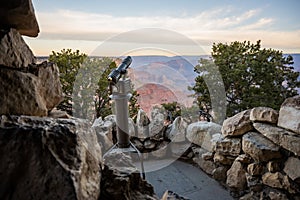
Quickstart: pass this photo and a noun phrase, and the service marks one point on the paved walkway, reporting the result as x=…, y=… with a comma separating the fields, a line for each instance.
x=184, y=179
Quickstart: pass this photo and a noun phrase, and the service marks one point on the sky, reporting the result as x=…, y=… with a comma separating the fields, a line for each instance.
x=163, y=27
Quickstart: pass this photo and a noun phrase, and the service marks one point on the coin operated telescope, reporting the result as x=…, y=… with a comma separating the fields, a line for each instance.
x=120, y=88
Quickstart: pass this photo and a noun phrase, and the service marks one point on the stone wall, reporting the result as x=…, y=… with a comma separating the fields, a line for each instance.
x=256, y=154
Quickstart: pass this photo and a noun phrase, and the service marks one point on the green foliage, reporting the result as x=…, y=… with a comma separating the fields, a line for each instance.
x=85, y=85
x=173, y=110
x=252, y=77
x=68, y=63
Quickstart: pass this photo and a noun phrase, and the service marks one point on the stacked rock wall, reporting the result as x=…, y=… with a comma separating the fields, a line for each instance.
x=257, y=153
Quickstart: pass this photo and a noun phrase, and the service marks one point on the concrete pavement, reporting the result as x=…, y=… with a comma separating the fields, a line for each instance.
x=185, y=180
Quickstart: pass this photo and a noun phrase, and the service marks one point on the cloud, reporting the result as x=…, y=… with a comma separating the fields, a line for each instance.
x=218, y=25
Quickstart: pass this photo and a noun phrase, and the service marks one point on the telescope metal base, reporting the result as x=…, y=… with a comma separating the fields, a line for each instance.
x=131, y=148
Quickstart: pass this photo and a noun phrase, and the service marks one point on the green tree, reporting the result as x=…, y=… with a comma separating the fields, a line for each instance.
x=85, y=84
x=68, y=62
x=173, y=110
x=252, y=76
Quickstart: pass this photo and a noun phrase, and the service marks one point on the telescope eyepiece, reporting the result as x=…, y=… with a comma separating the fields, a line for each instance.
x=116, y=74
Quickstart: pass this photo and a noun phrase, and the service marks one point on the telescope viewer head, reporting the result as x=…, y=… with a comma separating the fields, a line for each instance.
x=117, y=73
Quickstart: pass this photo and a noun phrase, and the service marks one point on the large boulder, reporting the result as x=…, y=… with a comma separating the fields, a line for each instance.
x=31, y=91
x=19, y=14
x=260, y=148
x=122, y=180
x=280, y=136
x=201, y=133
x=238, y=124
x=289, y=114
x=14, y=52
x=46, y=158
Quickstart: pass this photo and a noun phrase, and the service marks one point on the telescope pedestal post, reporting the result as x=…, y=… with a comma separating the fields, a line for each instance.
x=123, y=144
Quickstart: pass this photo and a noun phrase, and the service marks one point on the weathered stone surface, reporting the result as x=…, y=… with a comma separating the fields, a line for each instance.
x=106, y=127
x=238, y=124
x=46, y=158
x=131, y=127
x=273, y=166
x=259, y=148
x=280, y=136
x=55, y=113
x=19, y=14
x=255, y=169
x=236, y=176
x=274, y=180
x=200, y=133
x=206, y=165
x=244, y=158
x=219, y=173
x=264, y=114
x=292, y=168
x=254, y=183
x=277, y=195
x=178, y=130
x=207, y=156
x=122, y=180
x=289, y=114
x=229, y=146
x=157, y=121
x=14, y=52
x=250, y=196
x=142, y=123
x=224, y=160
x=49, y=83
x=273, y=194
x=26, y=93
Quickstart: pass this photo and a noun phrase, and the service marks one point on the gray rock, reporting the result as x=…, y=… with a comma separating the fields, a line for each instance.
x=122, y=180
x=274, y=180
x=201, y=133
x=260, y=148
x=291, y=168
x=224, y=160
x=142, y=123
x=207, y=166
x=280, y=136
x=289, y=114
x=236, y=176
x=254, y=183
x=238, y=124
x=255, y=169
x=19, y=14
x=157, y=121
x=229, y=146
x=46, y=158
x=14, y=52
x=264, y=114
x=178, y=130
x=220, y=173
x=32, y=92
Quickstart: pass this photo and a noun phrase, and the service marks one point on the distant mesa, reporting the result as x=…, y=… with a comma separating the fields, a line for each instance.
x=152, y=94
